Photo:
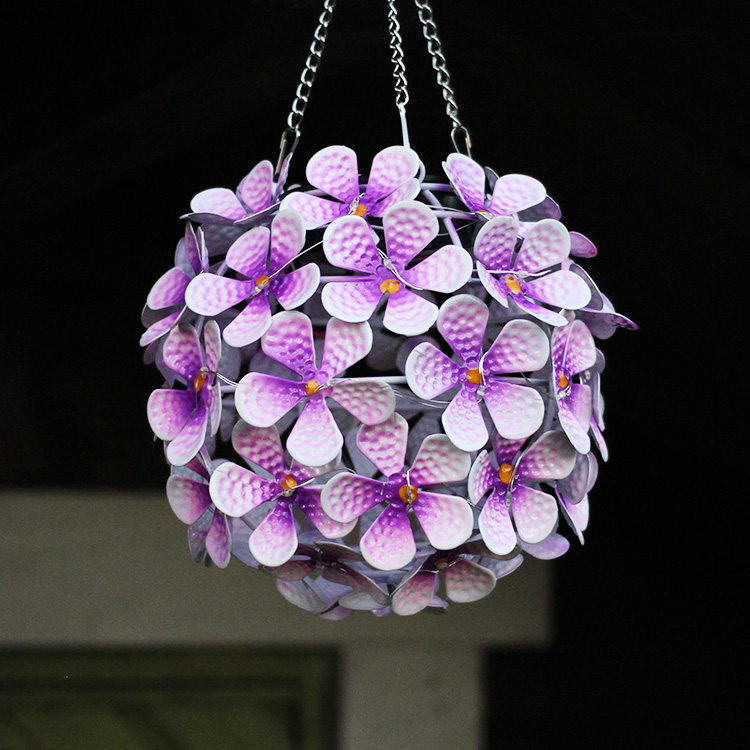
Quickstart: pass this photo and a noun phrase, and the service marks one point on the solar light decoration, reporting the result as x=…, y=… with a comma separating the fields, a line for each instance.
x=381, y=390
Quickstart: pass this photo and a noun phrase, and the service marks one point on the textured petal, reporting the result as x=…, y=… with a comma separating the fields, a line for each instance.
x=414, y=594
x=168, y=290
x=497, y=288
x=391, y=167
x=219, y=541
x=182, y=352
x=274, y=541
x=546, y=244
x=429, y=372
x=168, y=411
x=539, y=312
x=351, y=301
x=315, y=439
x=550, y=548
x=255, y=190
x=446, y=270
x=561, y=289
x=315, y=211
x=159, y=328
x=190, y=438
x=534, y=513
x=219, y=201
x=209, y=294
x=345, y=344
x=482, y=477
x=551, y=456
x=578, y=516
x=212, y=344
x=335, y=171
x=369, y=400
x=462, y=322
x=289, y=340
x=505, y=450
x=308, y=499
x=495, y=525
x=250, y=324
x=407, y=191
x=495, y=242
x=573, y=413
x=463, y=422
x=516, y=410
x=349, y=243
x=249, y=253
x=467, y=177
x=438, y=461
x=514, y=192
x=576, y=484
x=389, y=543
x=263, y=399
x=287, y=238
x=347, y=496
x=385, y=444
x=581, y=246
x=296, y=287
x=260, y=446
x=408, y=313
x=465, y=581
x=447, y=520
x=580, y=349
x=409, y=227
x=236, y=490
x=188, y=499
x=521, y=346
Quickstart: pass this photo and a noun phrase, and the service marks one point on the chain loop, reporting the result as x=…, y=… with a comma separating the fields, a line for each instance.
x=304, y=88
x=397, y=57
x=435, y=49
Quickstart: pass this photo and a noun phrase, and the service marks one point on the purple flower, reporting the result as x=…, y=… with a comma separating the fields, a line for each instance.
x=512, y=501
x=526, y=278
x=511, y=193
x=210, y=530
x=191, y=259
x=236, y=491
x=254, y=194
x=210, y=294
x=388, y=544
x=573, y=351
x=521, y=346
x=182, y=417
x=572, y=491
x=262, y=400
x=334, y=170
x=409, y=227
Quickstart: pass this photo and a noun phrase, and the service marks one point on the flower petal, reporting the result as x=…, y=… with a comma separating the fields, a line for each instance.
x=521, y=346
x=168, y=411
x=296, y=287
x=289, y=340
x=182, y=352
x=250, y=324
x=385, y=444
x=188, y=499
x=315, y=438
x=468, y=179
x=389, y=543
x=495, y=525
x=248, y=254
x=496, y=241
x=482, y=477
x=369, y=400
x=274, y=541
x=159, y=328
x=463, y=422
x=335, y=171
x=219, y=541
x=447, y=520
x=551, y=456
x=218, y=201
x=579, y=348
x=561, y=289
x=391, y=167
x=446, y=270
x=168, y=290
x=349, y=243
x=540, y=313
x=575, y=416
x=407, y=191
x=466, y=581
x=438, y=461
x=255, y=190
x=415, y=593
x=308, y=499
x=514, y=192
x=236, y=490
x=287, y=238
x=209, y=294
x=190, y=438
x=345, y=344
x=263, y=399
x=534, y=513
x=260, y=446
x=352, y=301
x=498, y=289
x=547, y=243
x=314, y=210
x=408, y=313
x=462, y=322
x=429, y=372
x=409, y=227
x=517, y=411
x=347, y=496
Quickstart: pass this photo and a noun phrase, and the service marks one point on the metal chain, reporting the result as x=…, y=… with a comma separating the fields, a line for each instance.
x=435, y=48
x=304, y=88
x=397, y=57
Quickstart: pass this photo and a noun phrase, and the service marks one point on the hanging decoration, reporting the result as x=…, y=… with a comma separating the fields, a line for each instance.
x=381, y=391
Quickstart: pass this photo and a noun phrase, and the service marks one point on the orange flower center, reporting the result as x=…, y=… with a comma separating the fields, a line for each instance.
x=360, y=210
x=474, y=376
x=408, y=493
x=389, y=286
x=563, y=381
x=288, y=483
x=199, y=380
x=311, y=386
x=262, y=281
x=506, y=473
x=512, y=282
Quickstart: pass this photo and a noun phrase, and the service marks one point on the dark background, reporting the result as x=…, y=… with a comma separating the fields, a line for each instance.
x=630, y=114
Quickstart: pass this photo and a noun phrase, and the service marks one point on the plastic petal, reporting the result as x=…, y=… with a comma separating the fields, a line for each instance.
x=347, y=496
x=188, y=499
x=212, y=344
x=349, y=243
x=260, y=446
x=168, y=290
x=190, y=438
x=351, y=301
x=250, y=324
x=437, y=461
x=249, y=253
x=182, y=352
x=274, y=541
x=345, y=344
x=468, y=179
x=334, y=170
x=495, y=242
x=534, y=513
x=466, y=581
x=308, y=499
x=414, y=594
x=219, y=201
x=385, y=444
x=168, y=411
x=236, y=490
x=314, y=210
x=369, y=400
x=551, y=456
x=289, y=340
x=573, y=412
x=158, y=329
x=297, y=286
x=209, y=294
x=463, y=422
x=315, y=439
x=447, y=520
x=407, y=191
x=547, y=243
x=462, y=322
x=446, y=270
x=521, y=346
x=429, y=372
x=391, y=167
x=497, y=288
x=495, y=525
x=263, y=399
x=219, y=541
x=389, y=543
x=255, y=190
x=515, y=192
x=409, y=227
x=287, y=238
x=516, y=410
x=561, y=289
x=408, y=313
x=482, y=477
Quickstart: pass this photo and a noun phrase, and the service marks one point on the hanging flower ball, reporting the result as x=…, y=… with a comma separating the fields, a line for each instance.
x=419, y=398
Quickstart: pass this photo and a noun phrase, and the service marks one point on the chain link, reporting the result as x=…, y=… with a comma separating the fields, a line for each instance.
x=397, y=57
x=435, y=49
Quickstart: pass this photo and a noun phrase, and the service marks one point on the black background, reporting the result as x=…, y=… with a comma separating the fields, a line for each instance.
x=631, y=114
